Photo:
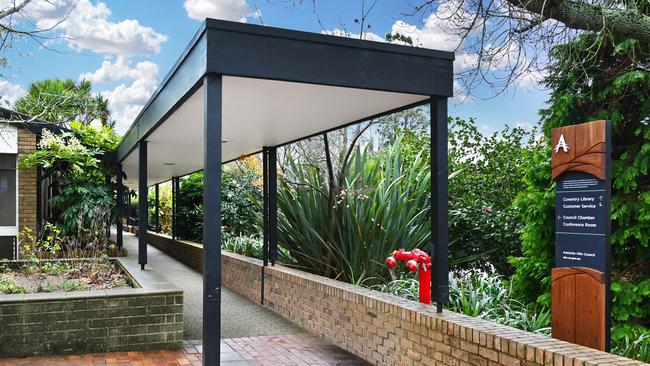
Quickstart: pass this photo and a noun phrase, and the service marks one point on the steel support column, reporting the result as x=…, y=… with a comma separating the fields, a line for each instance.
x=174, y=203
x=120, y=207
x=265, y=218
x=212, y=94
x=143, y=204
x=265, y=203
x=273, y=203
x=157, y=207
x=39, y=198
x=439, y=202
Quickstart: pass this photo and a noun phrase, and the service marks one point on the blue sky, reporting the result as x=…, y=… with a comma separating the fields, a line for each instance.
x=126, y=47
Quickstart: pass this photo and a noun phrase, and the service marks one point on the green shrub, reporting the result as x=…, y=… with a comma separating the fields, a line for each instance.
x=244, y=245
x=596, y=83
x=482, y=294
x=240, y=191
x=8, y=286
x=631, y=341
x=382, y=206
x=72, y=285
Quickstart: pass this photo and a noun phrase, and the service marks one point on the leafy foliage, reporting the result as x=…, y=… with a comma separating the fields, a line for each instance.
x=383, y=203
x=588, y=83
x=240, y=191
x=244, y=245
x=383, y=206
x=63, y=101
x=43, y=271
x=9, y=286
x=484, y=225
x=632, y=342
x=85, y=201
x=164, y=207
x=482, y=294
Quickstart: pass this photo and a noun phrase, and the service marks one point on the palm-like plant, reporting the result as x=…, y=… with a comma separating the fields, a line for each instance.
x=380, y=206
x=63, y=101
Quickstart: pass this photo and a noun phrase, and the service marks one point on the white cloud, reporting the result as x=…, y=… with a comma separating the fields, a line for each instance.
x=433, y=34
x=526, y=126
x=9, y=93
x=87, y=26
x=120, y=69
x=530, y=79
x=237, y=10
x=464, y=61
x=126, y=100
x=368, y=36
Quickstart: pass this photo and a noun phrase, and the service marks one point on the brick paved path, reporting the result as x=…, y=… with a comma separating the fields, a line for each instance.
x=290, y=349
x=251, y=334
x=240, y=317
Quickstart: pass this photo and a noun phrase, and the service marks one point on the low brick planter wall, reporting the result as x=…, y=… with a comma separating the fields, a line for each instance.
x=187, y=252
x=388, y=330
x=130, y=319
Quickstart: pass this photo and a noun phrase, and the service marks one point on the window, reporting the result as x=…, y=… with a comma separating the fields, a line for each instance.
x=7, y=246
x=8, y=190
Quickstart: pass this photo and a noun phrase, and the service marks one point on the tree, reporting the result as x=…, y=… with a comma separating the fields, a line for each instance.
x=591, y=84
x=63, y=101
x=86, y=202
x=241, y=190
x=504, y=42
x=14, y=27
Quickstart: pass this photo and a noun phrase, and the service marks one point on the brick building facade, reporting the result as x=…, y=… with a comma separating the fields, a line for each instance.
x=27, y=185
x=19, y=191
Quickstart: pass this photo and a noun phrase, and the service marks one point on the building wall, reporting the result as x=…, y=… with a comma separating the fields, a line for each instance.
x=26, y=182
x=387, y=330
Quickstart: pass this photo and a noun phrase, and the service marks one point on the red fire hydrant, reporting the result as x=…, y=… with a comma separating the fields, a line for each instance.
x=416, y=260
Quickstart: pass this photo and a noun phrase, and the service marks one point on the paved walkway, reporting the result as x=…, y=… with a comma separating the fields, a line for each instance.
x=240, y=317
x=292, y=349
x=251, y=334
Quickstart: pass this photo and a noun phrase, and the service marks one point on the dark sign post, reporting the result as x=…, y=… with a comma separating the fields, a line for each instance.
x=581, y=167
x=582, y=221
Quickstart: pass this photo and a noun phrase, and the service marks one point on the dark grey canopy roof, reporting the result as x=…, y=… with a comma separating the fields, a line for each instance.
x=278, y=86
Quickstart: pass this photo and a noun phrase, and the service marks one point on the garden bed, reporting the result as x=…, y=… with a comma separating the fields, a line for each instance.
x=146, y=315
x=33, y=276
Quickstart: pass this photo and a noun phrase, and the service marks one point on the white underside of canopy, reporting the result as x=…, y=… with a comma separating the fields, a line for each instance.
x=256, y=113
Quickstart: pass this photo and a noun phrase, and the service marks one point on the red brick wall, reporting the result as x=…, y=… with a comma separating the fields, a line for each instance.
x=387, y=330
x=26, y=182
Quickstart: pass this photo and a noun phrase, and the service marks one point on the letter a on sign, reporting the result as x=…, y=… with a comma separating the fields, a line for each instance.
x=561, y=144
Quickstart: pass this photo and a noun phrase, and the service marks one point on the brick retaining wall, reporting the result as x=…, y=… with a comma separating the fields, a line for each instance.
x=187, y=252
x=129, y=319
x=388, y=330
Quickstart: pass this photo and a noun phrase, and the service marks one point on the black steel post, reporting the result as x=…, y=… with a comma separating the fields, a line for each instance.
x=265, y=202
x=178, y=205
x=157, y=207
x=143, y=204
x=119, y=238
x=273, y=203
x=174, y=208
x=39, y=198
x=108, y=219
x=439, y=202
x=265, y=219
x=212, y=94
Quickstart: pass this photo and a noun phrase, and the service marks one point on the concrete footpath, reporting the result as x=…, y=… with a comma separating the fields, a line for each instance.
x=240, y=317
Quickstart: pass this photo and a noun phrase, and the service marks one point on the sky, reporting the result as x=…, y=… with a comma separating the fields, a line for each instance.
x=125, y=48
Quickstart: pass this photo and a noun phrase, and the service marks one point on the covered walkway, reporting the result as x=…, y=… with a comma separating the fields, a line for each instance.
x=240, y=316
x=250, y=333
x=241, y=89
